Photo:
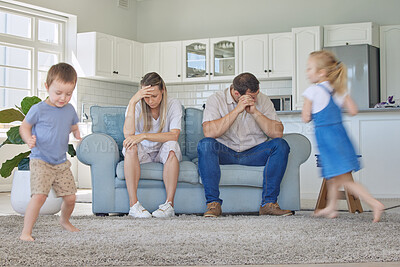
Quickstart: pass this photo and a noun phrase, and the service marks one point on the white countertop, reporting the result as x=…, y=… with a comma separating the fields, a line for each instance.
x=293, y=112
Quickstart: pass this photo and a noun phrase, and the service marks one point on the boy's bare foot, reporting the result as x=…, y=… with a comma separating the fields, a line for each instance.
x=68, y=226
x=377, y=209
x=26, y=237
x=327, y=213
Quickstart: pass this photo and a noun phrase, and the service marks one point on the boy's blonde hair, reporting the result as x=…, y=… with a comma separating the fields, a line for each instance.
x=336, y=71
x=153, y=79
x=62, y=72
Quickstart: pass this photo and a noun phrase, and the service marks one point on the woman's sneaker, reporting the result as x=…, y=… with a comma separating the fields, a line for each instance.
x=164, y=211
x=137, y=211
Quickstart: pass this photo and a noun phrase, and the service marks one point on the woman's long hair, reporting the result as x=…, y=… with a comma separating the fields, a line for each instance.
x=153, y=79
x=336, y=71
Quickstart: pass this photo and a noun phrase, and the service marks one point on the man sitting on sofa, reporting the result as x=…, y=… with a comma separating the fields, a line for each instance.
x=241, y=127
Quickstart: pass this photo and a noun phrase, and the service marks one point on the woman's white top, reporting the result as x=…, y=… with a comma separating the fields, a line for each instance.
x=173, y=121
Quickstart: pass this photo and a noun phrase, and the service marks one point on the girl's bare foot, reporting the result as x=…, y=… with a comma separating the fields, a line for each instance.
x=26, y=237
x=68, y=226
x=326, y=212
x=377, y=209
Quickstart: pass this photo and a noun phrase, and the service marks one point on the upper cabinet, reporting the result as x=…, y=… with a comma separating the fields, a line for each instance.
x=390, y=61
x=351, y=34
x=171, y=61
x=266, y=55
x=138, y=51
x=305, y=41
x=210, y=59
x=165, y=59
x=105, y=56
x=151, y=58
x=196, y=65
x=224, y=58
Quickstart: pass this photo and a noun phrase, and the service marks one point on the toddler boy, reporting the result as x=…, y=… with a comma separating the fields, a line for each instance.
x=46, y=130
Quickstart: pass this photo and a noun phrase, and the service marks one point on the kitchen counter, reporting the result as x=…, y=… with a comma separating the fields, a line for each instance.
x=292, y=112
x=374, y=133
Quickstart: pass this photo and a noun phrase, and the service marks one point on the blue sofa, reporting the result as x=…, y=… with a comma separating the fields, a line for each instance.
x=240, y=186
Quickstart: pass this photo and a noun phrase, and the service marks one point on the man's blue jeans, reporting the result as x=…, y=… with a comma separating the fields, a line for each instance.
x=272, y=154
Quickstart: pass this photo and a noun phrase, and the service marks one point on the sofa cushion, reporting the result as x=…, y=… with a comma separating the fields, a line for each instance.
x=110, y=121
x=153, y=171
x=240, y=175
x=194, y=131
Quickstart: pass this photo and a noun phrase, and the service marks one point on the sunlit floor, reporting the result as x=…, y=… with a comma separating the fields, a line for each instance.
x=84, y=207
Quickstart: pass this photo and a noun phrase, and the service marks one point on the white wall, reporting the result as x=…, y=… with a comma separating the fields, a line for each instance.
x=96, y=15
x=164, y=20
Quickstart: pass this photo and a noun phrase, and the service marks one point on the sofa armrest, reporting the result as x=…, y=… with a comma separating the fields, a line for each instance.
x=300, y=147
x=100, y=151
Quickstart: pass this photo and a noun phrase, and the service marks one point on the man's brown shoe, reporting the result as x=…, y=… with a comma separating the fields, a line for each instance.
x=274, y=209
x=213, y=210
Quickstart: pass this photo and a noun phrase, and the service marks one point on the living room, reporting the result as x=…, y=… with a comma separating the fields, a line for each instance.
x=158, y=22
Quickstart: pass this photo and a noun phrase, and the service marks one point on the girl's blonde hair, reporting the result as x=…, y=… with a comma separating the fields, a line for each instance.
x=153, y=79
x=336, y=71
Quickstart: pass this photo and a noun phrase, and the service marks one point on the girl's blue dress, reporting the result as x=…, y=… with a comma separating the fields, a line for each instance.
x=337, y=154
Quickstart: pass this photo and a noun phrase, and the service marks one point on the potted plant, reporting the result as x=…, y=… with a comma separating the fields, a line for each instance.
x=20, y=192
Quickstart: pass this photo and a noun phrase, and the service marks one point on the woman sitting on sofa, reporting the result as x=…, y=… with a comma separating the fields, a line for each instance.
x=151, y=130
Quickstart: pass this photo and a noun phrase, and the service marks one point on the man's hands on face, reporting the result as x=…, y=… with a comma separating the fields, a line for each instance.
x=247, y=103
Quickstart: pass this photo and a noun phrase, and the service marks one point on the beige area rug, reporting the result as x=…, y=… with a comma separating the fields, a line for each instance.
x=194, y=240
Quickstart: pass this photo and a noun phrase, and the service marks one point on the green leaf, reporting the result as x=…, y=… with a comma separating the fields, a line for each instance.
x=10, y=115
x=5, y=142
x=71, y=150
x=8, y=166
x=28, y=102
x=19, y=108
x=14, y=137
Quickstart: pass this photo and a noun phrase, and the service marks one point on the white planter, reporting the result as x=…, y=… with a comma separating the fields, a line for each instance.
x=21, y=195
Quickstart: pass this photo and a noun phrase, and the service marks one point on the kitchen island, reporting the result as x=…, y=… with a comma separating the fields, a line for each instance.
x=375, y=134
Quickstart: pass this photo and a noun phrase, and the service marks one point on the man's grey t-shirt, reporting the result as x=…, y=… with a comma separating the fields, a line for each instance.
x=51, y=126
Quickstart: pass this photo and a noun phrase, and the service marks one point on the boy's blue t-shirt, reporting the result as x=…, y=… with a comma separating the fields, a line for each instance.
x=51, y=126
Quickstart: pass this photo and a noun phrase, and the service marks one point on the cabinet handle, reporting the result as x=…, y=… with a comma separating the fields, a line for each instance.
x=265, y=71
x=269, y=70
x=206, y=73
x=179, y=75
x=115, y=72
x=211, y=73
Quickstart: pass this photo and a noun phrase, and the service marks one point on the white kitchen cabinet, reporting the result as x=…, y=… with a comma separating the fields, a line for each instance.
x=171, y=62
x=253, y=54
x=224, y=58
x=195, y=59
x=305, y=41
x=151, y=58
x=280, y=55
x=105, y=56
x=390, y=61
x=266, y=55
x=138, y=51
x=351, y=34
x=210, y=59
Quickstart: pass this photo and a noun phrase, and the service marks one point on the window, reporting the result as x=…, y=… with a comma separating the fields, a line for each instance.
x=30, y=44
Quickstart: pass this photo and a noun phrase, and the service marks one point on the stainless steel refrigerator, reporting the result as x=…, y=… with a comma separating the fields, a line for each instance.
x=362, y=63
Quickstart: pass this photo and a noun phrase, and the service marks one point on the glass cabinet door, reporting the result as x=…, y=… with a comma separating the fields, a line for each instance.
x=224, y=58
x=196, y=60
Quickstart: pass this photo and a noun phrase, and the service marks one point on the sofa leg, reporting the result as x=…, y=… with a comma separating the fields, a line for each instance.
x=101, y=214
